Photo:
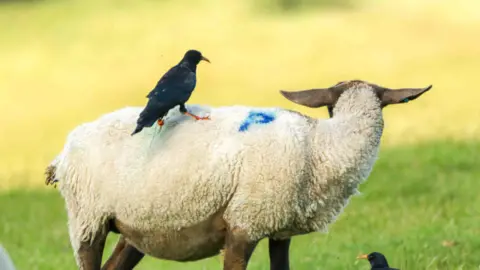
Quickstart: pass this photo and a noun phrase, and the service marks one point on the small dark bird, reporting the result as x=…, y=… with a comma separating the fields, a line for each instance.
x=174, y=88
x=377, y=261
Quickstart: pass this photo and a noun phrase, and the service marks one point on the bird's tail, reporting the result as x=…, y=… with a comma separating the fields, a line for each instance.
x=137, y=129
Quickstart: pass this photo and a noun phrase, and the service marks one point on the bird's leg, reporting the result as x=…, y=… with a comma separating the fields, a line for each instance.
x=197, y=117
x=160, y=122
x=183, y=110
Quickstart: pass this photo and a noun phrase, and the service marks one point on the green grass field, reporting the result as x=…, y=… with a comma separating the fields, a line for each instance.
x=67, y=62
x=417, y=197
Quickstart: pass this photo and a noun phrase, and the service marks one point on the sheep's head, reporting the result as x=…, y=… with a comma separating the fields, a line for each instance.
x=315, y=98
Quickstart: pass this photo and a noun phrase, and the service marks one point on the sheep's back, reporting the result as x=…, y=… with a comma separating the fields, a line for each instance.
x=182, y=174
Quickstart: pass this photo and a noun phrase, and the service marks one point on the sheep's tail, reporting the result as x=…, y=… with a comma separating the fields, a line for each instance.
x=50, y=173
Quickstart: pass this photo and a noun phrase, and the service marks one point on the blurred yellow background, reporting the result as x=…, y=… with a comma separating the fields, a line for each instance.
x=67, y=62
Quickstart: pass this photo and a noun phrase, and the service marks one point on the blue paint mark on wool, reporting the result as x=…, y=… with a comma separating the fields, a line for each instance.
x=256, y=118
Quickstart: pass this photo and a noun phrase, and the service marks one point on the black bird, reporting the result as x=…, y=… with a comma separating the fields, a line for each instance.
x=174, y=88
x=377, y=261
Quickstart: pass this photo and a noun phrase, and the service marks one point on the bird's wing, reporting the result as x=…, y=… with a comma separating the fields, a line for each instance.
x=171, y=74
x=177, y=84
x=154, y=110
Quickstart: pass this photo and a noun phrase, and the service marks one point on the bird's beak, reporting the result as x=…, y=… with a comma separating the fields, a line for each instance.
x=205, y=59
x=364, y=256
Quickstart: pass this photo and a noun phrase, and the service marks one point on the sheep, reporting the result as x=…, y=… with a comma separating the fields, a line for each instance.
x=5, y=261
x=185, y=192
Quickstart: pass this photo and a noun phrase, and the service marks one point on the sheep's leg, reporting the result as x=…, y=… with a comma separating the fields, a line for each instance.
x=279, y=253
x=128, y=258
x=238, y=249
x=124, y=256
x=89, y=255
x=113, y=259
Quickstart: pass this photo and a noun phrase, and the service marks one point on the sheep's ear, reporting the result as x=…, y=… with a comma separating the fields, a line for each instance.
x=312, y=98
x=404, y=95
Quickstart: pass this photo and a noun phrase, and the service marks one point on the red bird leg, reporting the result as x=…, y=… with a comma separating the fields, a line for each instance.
x=197, y=117
x=160, y=122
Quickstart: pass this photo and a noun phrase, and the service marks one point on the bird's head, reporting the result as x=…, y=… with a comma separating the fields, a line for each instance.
x=376, y=259
x=194, y=57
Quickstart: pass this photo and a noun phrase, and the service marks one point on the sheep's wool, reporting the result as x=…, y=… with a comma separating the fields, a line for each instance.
x=286, y=176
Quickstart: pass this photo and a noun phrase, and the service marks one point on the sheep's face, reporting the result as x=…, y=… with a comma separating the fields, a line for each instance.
x=315, y=98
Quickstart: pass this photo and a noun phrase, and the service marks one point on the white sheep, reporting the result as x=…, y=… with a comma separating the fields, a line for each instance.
x=185, y=192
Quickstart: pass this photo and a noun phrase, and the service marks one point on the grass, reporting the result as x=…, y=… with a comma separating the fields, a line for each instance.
x=417, y=197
